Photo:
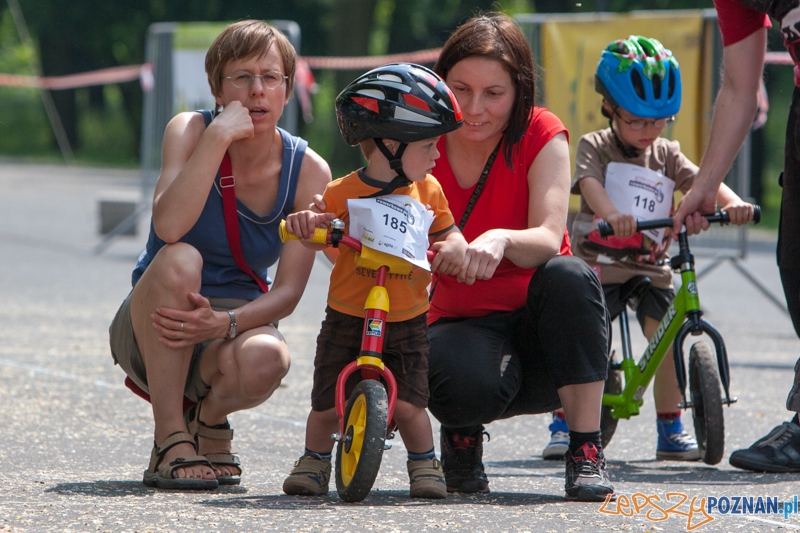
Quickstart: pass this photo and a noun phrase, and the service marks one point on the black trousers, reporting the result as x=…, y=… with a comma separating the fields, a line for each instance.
x=506, y=364
x=789, y=233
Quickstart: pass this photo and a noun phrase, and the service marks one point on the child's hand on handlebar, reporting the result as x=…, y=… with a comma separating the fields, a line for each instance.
x=303, y=223
x=740, y=212
x=624, y=225
x=317, y=204
x=450, y=252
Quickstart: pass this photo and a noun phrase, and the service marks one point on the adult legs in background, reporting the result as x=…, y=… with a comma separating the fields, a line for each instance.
x=779, y=450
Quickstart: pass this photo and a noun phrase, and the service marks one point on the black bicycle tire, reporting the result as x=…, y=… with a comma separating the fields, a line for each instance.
x=608, y=424
x=706, y=396
x=368, y=461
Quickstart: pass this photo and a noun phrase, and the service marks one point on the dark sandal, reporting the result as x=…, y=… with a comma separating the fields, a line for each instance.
x=159, y=474
x=219, y=432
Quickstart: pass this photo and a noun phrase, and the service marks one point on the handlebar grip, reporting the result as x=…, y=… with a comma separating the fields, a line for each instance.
x=605, y=229
x=320, y=234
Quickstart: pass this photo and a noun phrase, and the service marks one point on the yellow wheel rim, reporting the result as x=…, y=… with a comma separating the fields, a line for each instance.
x=354, y=428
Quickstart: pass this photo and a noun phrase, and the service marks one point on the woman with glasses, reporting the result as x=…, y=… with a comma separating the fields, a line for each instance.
x=200, y=327
x=628, y=172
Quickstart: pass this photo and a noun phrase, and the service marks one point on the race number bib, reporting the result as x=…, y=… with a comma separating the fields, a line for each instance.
x=641, y=192
x=394, y=224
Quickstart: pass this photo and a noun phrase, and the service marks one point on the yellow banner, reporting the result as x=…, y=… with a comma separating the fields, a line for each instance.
x=570, y=50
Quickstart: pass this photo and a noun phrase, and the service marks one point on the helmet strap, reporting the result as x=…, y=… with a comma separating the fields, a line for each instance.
x=396, y=164
x=395, y=159
x=628, y=152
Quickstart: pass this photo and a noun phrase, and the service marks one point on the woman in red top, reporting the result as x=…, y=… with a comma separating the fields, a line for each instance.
x=524, y=329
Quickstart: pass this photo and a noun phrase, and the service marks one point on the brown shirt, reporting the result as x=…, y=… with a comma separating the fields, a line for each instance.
x=595, y=151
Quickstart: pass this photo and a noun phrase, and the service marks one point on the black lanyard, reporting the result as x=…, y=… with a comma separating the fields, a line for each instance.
x=479, y=186
x=474, y=198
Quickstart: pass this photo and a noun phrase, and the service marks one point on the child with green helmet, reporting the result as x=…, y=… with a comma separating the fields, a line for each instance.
x=628, y=172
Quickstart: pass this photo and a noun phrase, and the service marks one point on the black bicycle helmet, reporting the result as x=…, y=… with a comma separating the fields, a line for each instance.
x=400, y=101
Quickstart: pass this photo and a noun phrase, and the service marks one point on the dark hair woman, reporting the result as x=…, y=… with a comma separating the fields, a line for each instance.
x=526, y=330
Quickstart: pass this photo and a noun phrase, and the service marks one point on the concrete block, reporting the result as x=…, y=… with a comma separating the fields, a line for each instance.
x=113, y=209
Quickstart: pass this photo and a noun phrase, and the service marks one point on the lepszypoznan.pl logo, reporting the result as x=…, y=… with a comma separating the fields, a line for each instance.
x=697, y=511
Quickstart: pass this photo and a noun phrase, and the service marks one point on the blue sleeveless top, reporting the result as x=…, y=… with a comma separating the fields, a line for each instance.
x=261, y=245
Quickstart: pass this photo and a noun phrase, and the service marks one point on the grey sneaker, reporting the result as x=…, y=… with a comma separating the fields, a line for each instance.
x=587, y=478
x=779, y=451
x=427, y=479
x=309, y=477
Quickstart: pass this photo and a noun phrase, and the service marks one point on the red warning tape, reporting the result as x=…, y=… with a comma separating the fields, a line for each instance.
x=86, y=79
x=144, y=73
x=360, y=63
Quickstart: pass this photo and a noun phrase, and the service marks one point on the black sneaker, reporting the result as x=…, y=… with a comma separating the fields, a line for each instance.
x=779, y=451
x=462, y=460
x=587, y=479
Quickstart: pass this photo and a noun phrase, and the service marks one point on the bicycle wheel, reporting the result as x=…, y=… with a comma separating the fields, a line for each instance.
x=706, y=393
x=608, y=424
x=358, y=456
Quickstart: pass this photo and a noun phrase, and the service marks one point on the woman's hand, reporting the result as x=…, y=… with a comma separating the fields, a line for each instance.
x=483, y=256
x=180, y=329
x=235, y=122
x=317, y=204
x=624, y=225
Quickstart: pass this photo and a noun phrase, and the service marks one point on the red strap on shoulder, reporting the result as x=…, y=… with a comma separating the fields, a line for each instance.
x=226, y=183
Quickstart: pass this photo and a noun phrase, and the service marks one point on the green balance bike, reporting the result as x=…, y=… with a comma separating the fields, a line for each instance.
x=628, y=380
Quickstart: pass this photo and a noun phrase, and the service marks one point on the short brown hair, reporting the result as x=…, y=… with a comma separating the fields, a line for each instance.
x=496, y=36
x=367, y=147
x=245, y=39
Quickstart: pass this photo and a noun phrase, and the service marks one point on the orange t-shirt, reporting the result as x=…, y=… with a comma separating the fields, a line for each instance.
x=350, y=283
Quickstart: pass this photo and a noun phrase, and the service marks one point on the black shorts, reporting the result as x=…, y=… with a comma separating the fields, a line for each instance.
x=654, y=302
x=405, y=353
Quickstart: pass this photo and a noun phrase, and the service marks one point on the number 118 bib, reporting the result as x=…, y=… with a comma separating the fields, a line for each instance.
x=641, y=192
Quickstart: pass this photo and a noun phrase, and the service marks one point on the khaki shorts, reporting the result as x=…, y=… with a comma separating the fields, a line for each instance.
x=405, y=353
x=126, y=353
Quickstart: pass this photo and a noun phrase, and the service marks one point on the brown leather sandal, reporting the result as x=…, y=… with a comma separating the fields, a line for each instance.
x=159, y=474
x=219, y=432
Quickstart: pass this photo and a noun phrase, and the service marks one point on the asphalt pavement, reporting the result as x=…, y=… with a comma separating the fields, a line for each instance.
x=76, y=440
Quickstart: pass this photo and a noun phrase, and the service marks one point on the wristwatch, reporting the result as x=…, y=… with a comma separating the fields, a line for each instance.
x=232, y=329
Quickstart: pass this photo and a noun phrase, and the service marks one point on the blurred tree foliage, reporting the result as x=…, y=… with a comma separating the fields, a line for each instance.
x=103, y=123
x=83, y=35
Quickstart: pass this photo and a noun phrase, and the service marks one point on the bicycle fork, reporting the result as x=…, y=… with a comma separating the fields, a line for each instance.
x=370, y=361
x=695, y=325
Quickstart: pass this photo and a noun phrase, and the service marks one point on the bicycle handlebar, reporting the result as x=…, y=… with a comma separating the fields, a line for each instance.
x=320, y=235
x=323, y=236
x=605, y=229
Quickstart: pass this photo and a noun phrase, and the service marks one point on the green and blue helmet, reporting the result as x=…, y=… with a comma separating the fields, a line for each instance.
x=641, y=76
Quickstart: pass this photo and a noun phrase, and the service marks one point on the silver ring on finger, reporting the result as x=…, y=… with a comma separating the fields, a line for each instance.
x=181, y=326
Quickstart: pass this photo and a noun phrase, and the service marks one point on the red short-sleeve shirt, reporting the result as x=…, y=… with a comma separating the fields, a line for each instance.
x=737, y=21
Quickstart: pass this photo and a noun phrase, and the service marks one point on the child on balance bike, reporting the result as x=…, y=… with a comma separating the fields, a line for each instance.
x=628, y=172
x=396, y=113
